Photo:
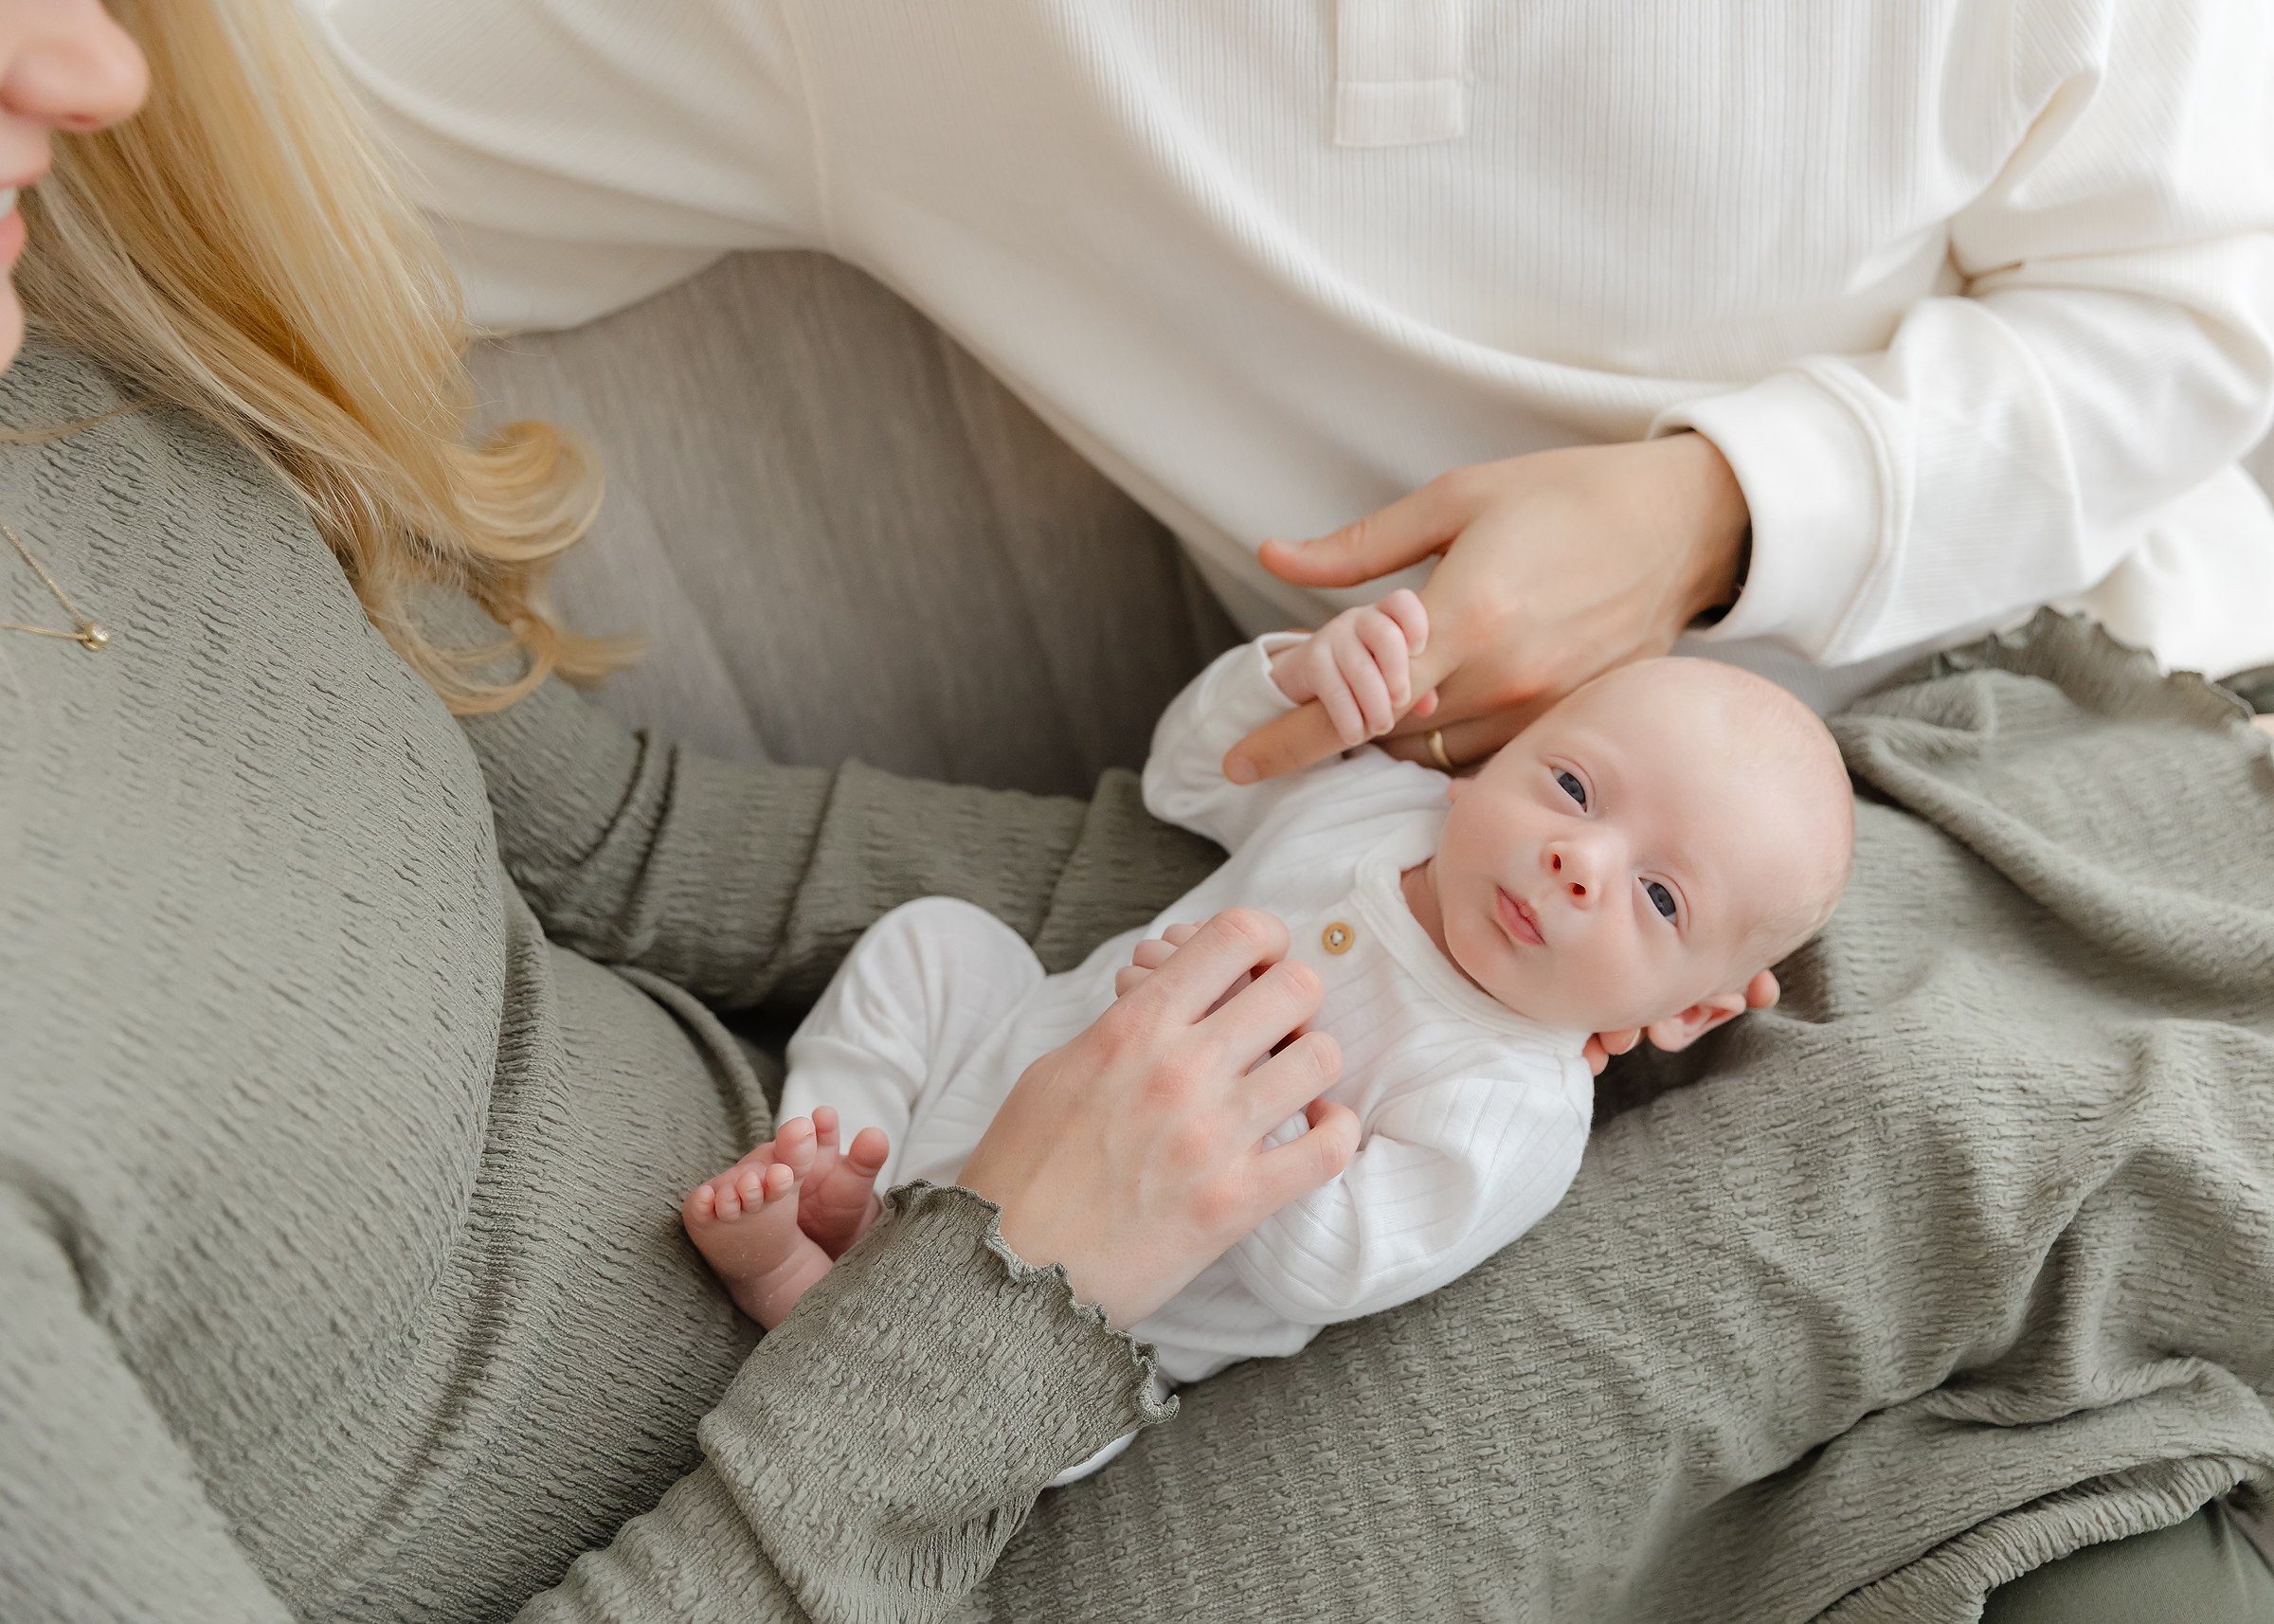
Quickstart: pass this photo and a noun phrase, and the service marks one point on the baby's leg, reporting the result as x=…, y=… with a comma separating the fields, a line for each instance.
x=921, y=989
x=745, y=1223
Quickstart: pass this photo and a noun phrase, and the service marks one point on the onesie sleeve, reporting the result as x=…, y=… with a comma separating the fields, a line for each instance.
x=1444, y=1175
x=1184, y=782
x=2111, y=350
x=585, y=153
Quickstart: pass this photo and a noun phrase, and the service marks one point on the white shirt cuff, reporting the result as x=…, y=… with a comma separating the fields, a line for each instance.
x=1811, y=478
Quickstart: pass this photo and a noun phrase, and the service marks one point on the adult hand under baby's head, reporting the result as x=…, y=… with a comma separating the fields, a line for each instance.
x=1634, y=858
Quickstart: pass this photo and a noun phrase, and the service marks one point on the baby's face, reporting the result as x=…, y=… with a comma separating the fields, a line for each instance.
x=1612, y=865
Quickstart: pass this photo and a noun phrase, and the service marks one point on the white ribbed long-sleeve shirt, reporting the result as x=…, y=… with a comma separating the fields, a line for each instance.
x=1472, y=1117
x=1976, y=296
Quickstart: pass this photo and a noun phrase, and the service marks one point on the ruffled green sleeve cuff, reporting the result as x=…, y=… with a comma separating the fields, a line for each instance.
x=889, y=1437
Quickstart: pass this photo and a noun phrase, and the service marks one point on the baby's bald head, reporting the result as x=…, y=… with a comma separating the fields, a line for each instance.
x=1659, y=837
x=1784, y=765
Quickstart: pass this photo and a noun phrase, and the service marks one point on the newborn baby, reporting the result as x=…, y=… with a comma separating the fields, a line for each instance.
x=1631, y=859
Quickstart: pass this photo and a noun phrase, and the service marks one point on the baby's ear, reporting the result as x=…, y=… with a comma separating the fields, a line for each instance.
x=1680, y=1031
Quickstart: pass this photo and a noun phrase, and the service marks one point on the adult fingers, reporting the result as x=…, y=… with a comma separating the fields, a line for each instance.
x=1224, y=948
x=1287, y=1172
x=1761, y=992
x=1262, y=1013
x=1288, y=1081
x=1127, y=977
x=1406, y=532
x=1284, y=744
x=1465, y=742
x=1179, y=933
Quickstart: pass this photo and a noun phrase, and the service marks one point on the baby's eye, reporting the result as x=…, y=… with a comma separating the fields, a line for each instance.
x=1573, y=787
x=1661, y=898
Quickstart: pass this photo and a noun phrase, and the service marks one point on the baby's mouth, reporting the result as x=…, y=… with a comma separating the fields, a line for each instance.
x=1519, y=921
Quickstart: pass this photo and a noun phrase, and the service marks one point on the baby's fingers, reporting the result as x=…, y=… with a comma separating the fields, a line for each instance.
x=1385, y=646
x=1330, y=687
x=1405, y=608
x=1151, y=953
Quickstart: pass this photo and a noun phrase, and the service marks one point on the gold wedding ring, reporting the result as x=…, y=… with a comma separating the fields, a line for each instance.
x=1435, y=739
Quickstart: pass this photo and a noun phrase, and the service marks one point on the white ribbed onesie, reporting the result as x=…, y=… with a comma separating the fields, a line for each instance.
x=1472, y=1117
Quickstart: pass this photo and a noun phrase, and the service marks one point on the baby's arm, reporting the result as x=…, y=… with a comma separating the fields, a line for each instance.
x=1444, y=1177
x=1360, y=662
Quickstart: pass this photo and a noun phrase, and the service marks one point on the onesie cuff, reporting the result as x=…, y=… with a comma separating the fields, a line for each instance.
x=1245, y=697
x=1269, y=645
x=1812, y=480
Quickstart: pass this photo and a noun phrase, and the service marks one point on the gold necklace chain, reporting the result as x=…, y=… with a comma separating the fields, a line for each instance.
x=92, y=634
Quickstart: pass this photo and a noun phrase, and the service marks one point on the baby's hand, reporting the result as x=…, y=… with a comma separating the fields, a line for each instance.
x=1358, y=667
x=1150, y=955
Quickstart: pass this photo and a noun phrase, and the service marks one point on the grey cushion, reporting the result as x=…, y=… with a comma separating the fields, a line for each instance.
x=842, y=538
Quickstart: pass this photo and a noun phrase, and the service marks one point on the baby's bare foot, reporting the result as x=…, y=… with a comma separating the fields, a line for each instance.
x=837, y=1201
x=745, y=1223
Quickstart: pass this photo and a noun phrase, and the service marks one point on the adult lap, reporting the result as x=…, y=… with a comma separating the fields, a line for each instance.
x=1401, y=1427
x=1853, y=1290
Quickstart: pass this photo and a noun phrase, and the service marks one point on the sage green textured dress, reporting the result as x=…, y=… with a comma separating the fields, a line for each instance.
x=341, y=1272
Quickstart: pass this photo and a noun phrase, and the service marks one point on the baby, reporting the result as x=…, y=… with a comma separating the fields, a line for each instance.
x=1631, y=859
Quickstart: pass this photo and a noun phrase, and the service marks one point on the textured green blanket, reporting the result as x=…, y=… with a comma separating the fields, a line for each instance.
x=1960, y=1258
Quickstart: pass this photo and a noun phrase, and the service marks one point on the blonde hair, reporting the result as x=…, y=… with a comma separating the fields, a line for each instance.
x=240, y=249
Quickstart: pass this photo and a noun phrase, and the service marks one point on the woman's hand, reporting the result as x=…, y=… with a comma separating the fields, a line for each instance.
x=1556, y=567
x=1133, y=1155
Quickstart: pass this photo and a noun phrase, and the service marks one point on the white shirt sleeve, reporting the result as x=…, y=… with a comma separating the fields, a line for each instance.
x=1444, y=1177
x=2111, y=347
x=582, y=156
x=1184, y=782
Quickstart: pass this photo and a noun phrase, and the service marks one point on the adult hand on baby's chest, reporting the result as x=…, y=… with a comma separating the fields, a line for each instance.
x=1134, y=1155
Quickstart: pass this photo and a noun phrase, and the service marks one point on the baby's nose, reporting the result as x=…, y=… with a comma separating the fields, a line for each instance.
x=1570, y=872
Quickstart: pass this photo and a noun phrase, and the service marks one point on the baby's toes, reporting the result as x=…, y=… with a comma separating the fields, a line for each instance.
x=868, y=1152
x=717, y=1201
x=794, y=1145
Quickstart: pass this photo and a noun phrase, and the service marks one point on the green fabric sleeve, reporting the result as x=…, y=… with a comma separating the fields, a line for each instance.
x=883, y=1444
x=869, y=1462
x=747, y=881
x=102, y=1514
